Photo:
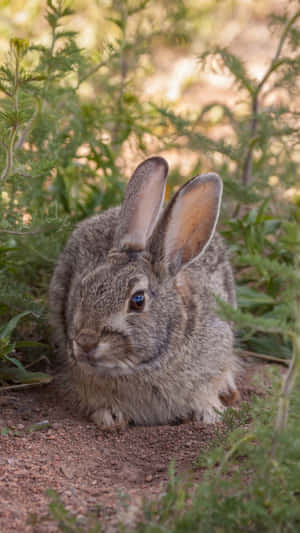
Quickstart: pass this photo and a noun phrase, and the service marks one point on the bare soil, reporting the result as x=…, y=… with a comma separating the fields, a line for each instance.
x=48, y=445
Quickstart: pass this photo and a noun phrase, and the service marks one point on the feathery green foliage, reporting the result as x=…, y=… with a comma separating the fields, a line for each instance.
x=243, y=489
x=258, y=160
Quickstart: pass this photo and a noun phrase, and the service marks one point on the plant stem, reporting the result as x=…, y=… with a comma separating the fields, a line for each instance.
x=271, y=358
x=123, y=74
x=90, y=73
x=28, y=128
x=275, y=63
x=9, y=153
x=23, y=385
x=9, y=232
x=249, y=156
x=284, y=399
x=14, y=129
x=245, y=438
x=289, y=380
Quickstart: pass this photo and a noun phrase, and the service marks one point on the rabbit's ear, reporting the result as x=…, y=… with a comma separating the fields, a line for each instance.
x=190, y=220
x=142, y=204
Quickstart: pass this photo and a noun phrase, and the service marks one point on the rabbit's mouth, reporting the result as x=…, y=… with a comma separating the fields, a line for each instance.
x=105, y=360
x=106, y=368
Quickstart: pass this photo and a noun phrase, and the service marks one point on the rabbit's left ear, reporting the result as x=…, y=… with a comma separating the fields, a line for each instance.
x=189, y=221
x=142, y=205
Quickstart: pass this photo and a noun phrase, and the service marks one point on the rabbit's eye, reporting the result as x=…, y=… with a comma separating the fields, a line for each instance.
x=137, y=301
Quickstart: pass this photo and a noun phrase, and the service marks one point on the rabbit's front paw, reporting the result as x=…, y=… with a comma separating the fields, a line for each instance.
x=109, y=419
x=211, y=414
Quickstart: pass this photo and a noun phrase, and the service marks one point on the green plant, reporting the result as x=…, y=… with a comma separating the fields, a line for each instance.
x=258, y=161
x=11, y=367
x=66, y=521
x=245, y=487
x=266, y=248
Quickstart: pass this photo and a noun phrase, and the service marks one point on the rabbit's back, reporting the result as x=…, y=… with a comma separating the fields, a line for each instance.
x=216, y=264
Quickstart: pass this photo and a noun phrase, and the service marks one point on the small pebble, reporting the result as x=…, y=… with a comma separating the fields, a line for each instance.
x=149, y=478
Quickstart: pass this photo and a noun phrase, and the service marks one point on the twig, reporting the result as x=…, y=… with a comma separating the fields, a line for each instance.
x=24, y=385
x=284, y=399
x=27, y=129
x=90, y=73
x=33, y=232
x=275, y=63
x=278, y=360
x=245, y=438
x=287, y=385
x=33, y=363
x=9, y=154
x=14, y=129
x=289, y=380
x=253, y=126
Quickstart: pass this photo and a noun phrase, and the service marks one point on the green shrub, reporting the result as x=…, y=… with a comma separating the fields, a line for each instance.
x=258, y=161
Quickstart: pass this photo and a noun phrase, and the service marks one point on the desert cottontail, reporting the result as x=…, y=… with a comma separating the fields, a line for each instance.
x=132, y=305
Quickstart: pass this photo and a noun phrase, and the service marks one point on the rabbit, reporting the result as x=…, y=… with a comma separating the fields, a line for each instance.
x=133, y=311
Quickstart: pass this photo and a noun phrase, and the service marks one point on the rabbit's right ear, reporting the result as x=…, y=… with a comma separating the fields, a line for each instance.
x=142, y=205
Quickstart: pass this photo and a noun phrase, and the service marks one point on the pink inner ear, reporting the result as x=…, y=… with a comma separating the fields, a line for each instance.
x=148, y=203
x=193, y=219
x=142, y=204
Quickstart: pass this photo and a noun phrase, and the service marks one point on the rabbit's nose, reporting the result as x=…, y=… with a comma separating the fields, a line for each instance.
x=87, y=340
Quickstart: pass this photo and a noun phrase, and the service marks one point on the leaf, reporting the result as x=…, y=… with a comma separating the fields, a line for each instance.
x=249, y=297
x=52, y=20
x=270, y=226
x=269, y=345
x=64, y=34
x=39, y=426
x=234, y=65
x=61, y=189
x=30, y=344
x=7, y=330
x=15, y=362
x=18, y=375
x=118, y=21
x=248, y=321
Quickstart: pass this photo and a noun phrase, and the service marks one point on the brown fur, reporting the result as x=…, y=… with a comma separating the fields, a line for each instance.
x=175, y=358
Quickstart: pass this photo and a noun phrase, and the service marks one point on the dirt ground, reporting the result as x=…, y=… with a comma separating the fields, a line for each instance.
x=44, y=444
